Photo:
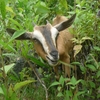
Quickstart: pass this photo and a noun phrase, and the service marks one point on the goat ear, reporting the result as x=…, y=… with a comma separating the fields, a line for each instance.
x=65, y=24
x=25, y=36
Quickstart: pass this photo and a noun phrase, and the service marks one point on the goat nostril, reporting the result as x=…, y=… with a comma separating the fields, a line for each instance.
x=54, y=54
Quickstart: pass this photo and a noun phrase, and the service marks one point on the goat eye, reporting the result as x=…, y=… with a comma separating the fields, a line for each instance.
x=35, y=40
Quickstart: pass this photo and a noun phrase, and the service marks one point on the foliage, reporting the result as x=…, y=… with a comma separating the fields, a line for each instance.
x=21, y=15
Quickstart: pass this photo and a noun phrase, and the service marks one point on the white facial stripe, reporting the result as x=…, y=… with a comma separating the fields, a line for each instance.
x=38, y=35
x=54, y=33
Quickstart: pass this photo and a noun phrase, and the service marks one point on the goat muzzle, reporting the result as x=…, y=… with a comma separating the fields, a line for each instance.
x=54, y=54
x=53, y=58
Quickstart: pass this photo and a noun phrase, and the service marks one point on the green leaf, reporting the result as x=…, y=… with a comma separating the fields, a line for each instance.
x=1, y=74
x=72, y=81
x=66, y=64
x=98, y=89
x=54, y=84
x=10, y=89
x=3, y=8
x=42, y=8
x=75, y=63
x=98, y=74
x=96, y=48
x=92, y=84
x=78, y=81
x=8, y=67
x=80, y=93
x=10, y=47
x=61, y=80
x=60, y=94
x=36, y=61
x=86, y=38
x=59, y=88
x=21, y=84
x=72, y=87
x=75, y=97
x=15, y=22
x=98, y=95
x=17, y=34
x=68, y=95
x=64, y=3
x=83, y=69
x=91, y=67
x=10, y=10
x=1, y=91
x=4, y=89
x=9, y=54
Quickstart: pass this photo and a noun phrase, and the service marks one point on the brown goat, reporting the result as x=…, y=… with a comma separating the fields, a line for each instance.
x=52, y=42
x=64, y=46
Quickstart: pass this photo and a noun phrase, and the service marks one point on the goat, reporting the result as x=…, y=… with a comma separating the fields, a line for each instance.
x=52, y=42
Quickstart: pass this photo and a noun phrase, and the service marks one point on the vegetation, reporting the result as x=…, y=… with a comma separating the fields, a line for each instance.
x=17, y=83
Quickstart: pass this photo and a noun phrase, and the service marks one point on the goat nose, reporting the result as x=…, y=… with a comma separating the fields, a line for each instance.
x=54, y=54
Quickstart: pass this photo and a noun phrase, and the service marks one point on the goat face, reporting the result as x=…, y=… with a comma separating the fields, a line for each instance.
x=45, y=43
x=44, y=38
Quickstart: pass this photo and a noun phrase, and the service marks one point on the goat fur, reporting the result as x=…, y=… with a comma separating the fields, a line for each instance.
x=64, y=43
x=64, y=46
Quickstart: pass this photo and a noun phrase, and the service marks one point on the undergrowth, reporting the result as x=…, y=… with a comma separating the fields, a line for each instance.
x=18, y=80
